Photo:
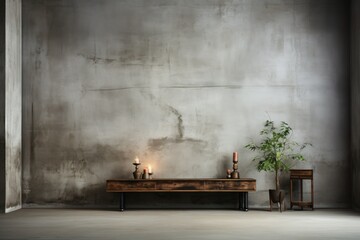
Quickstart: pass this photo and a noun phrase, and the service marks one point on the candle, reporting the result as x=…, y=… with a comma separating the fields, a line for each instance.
x=235, y=156
x=137, y=160
x=145, y=174
x=150, y=170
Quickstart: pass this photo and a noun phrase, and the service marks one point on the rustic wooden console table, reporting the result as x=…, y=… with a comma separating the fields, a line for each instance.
x=242, y=186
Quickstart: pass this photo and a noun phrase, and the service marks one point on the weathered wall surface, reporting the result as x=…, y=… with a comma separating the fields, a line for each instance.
x=13, y=109
x=10, y=105
x=2, y=105
x=181, y=84
x=355, y=102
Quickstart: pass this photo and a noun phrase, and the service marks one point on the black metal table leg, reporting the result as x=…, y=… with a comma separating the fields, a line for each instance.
x=243, y=201
x=246, y=201
x=240, y=202
x=122, y=201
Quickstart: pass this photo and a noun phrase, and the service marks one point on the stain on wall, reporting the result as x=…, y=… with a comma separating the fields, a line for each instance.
x=181, y=84
x=355, y=103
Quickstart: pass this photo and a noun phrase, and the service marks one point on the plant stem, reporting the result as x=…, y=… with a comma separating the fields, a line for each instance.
x=277, y=179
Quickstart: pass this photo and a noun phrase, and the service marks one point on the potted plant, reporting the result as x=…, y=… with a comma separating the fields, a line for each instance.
x=276, y=153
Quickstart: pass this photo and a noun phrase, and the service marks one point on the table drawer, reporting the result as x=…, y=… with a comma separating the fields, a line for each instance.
x=130, y=185
x=180, y=185
x=230, y=186
x=301, y=173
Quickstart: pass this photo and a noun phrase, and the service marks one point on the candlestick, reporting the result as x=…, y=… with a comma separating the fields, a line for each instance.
x=235, y=157
x=235, y=174
x=137, y=173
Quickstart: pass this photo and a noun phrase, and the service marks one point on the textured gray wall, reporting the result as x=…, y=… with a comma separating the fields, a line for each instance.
x=355, y=102
x=2, y=105
x=181, y=84
x=13, y=110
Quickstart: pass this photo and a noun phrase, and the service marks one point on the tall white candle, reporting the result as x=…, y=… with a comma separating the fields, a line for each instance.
x=150, y=170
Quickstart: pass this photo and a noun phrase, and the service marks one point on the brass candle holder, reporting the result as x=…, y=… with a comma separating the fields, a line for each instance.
x=228, y=173
x=150, y=175
x=235, y=174
x=137, y=173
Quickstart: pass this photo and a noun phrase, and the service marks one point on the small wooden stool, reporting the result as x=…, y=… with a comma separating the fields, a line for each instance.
x=300, y=175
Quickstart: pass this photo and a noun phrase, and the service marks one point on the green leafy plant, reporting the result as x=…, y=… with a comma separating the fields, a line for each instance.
x=276, y=150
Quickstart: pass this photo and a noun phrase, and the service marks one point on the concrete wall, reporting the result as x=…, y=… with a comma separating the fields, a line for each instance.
x=181, y=84
x=13, y=110
x=355, y=102
x=10, y=105
x=2, y=106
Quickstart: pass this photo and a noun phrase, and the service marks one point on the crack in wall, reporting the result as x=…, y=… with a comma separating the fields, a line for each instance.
x=180, y=125
x=96, y=59
x=112, y=89
x=122, y=61
x=227, y=86
x=157, y=144
x=171, y=109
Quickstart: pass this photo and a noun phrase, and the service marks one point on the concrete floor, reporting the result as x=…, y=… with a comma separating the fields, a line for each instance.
x=179, y=224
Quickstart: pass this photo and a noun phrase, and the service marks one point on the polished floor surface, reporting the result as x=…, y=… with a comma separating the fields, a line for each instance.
x=179, y=224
